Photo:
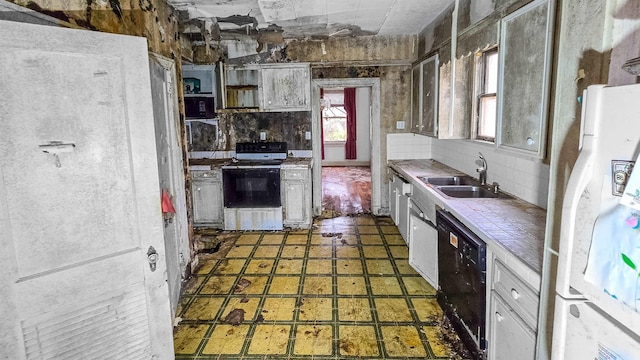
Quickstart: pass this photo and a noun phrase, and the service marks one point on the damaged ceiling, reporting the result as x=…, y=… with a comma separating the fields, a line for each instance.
x=221, y=19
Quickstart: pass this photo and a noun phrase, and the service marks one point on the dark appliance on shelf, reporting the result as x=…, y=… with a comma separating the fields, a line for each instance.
x=251, y=187
x=462, y=281
x=200, y=107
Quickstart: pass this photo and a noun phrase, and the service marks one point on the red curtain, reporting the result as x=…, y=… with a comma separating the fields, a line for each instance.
x=321, y=123
x=350, y=108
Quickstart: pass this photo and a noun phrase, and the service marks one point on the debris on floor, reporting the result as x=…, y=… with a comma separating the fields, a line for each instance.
x=242, y=284
x=329, y=214
x=450, y=339
x=235, y=317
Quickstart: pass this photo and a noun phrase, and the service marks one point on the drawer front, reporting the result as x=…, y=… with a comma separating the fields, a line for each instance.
x=214, y=175
x=295, y=174
x=516, y=293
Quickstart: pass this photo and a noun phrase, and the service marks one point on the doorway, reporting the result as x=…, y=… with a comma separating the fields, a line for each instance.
x=372, y=86
x=346, y=150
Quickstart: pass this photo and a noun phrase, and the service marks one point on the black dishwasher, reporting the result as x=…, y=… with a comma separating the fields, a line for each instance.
x=462, y=281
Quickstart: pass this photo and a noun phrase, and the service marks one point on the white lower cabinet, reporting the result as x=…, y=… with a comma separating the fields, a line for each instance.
x=510, y=338
x=206, y=192
x=423, y=251
x=296, y=197
x=513, y=316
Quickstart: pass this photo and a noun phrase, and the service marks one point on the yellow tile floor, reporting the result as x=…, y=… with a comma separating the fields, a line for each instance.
x=341, y=290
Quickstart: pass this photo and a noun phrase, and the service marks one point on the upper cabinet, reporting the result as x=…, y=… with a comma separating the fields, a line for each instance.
x=431, y=101
x=268, y=87
x=241, y=87
x=523, y=90
x=424, y=107
x=200, y=91
x=286, y=87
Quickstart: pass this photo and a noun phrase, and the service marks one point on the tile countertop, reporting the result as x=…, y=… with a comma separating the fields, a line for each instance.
x=201, y=164
x=512, y=228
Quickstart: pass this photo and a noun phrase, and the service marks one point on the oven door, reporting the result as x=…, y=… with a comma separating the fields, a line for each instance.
x=251, y=188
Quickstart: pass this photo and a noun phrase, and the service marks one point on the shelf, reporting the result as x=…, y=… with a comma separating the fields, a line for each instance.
x=205, y=95
x=242, y=87
x=238, y=110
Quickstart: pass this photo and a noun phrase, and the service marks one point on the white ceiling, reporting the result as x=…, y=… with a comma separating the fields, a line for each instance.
x=304, y=18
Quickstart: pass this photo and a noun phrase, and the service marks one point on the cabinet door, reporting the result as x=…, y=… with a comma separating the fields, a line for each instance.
x=423, y=249
x=403, y=217
x=207, y=202
x=394, y=193
x=523, y=92
x=429, y=97
x=295, y=202
x=286, y=88
x=510, y=338
x=416, y=82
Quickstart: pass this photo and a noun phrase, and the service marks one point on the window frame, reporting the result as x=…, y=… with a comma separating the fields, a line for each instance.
x=480, y=92
x=334, y=117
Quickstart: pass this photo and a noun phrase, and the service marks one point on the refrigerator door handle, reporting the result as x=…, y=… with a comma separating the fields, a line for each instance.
x=580, y=177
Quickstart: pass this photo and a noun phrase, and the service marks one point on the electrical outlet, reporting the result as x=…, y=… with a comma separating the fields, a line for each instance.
x=307, y=135
x=399, y=125
x=263, y=135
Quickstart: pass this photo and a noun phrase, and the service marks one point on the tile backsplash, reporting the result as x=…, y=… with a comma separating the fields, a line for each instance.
x=408, y=146
x=524, y=177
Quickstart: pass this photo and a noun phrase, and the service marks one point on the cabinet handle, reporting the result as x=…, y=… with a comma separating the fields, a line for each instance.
x=499, y=317
x=515, y=294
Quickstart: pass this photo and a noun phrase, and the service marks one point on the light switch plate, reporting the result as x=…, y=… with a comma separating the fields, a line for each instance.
x=307, y=135
x=263, y=135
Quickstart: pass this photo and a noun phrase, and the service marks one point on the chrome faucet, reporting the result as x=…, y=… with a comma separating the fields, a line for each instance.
x=482, y=170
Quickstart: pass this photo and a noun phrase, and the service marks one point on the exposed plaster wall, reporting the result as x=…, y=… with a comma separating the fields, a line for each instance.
x=626, y=37
x=608, y=36
x=363, y=49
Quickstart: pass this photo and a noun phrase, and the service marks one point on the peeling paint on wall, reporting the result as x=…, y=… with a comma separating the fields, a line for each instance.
x=152, y=19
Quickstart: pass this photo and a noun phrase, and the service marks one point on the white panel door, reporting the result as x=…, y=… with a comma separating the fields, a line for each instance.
x=171, y=171
x=79, y=199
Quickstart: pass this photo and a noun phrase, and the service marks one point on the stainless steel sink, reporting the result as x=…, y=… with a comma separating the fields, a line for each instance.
x=469, y=191
x=449, y=180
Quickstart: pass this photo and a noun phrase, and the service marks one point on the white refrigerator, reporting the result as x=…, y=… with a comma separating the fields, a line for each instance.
x=598, y=279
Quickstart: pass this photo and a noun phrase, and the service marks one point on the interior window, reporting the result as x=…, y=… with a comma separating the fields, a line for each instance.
x=334, y=116
x=486, y=94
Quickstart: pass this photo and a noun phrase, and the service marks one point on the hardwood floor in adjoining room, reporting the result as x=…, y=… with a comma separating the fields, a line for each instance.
x=346, y=190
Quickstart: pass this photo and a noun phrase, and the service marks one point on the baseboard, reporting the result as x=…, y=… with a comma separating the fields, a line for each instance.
x=346, y=163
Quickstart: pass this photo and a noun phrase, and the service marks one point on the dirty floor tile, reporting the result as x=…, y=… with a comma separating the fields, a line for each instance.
x=270, y=340
x=313, y=340
x=358, y=341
